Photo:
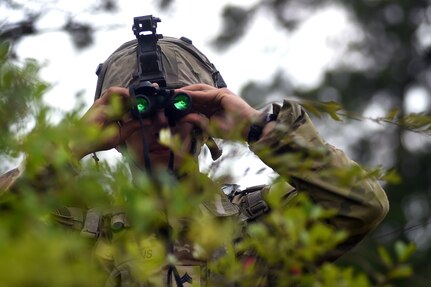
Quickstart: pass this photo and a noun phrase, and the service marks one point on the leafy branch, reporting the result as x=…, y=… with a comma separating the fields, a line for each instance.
x=415, y=122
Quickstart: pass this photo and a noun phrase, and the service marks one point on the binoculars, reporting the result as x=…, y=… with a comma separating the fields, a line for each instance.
x=147, y=100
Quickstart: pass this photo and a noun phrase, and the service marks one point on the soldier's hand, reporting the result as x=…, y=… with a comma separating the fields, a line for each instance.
x=110, y=116
x=223, y=108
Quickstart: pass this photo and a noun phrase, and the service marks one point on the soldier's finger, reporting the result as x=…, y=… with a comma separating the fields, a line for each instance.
x=114, y=92
x=197, y=87
x=196, y=119
x=128, y=128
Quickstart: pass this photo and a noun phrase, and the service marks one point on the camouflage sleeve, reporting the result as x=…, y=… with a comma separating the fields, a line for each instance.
x=8, y=179
x=294, y=149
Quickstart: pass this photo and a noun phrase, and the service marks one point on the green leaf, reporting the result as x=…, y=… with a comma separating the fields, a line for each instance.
x=401, y=271
x=385, y=257
x=417, y=121
x=392, y=176
x=318, y=108
x=332, y=108
x=404, y=251
x=390, y=116
x=311, y=107
x=4, y=50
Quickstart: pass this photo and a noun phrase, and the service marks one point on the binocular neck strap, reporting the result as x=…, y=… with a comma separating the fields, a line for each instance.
x=147, y=160
x=171, y=152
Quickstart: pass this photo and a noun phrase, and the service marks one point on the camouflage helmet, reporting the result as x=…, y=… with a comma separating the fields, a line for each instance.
x=183, y=65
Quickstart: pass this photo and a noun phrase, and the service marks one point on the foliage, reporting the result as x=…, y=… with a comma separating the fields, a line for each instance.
x=160, y=211
x=387, y=61
x=20, y=91
x=81, y=33
x=394, y=58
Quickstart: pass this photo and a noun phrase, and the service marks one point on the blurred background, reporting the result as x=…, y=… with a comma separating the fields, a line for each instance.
x=372, y=57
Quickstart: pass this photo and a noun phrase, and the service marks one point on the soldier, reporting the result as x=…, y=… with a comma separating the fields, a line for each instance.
x=287, y=129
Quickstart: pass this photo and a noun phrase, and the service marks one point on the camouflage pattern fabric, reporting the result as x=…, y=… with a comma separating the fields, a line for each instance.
x=7, y=179
x=360, y=206
x=183, y=65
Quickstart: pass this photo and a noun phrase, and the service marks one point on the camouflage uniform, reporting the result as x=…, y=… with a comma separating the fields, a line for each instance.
x=359, y=207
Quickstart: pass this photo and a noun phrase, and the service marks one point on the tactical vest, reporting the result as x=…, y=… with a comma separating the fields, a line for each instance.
x=246, y=205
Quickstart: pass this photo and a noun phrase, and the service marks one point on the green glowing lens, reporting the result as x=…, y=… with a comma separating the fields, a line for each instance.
x=181, y=102
x=142, y=104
